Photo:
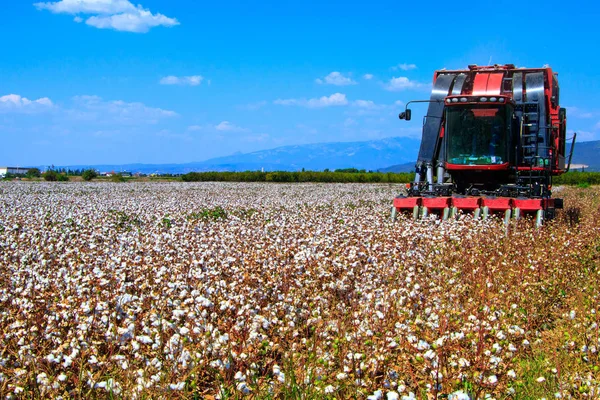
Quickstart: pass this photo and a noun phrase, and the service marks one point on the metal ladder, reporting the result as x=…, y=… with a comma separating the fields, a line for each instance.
x=530, y=138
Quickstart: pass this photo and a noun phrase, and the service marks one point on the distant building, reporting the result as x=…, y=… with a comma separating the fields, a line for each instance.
x=579, y=167
x=13, y=170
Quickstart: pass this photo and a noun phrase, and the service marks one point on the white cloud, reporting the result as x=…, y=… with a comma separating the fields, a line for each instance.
x=261, y=137
x=368, y=76
x=401, y=83
x=87, y=6
x=404, y=67
x=140, y=21
x=580, y=113
x=349, y=122
x=368, y=104
x=194, y=128
x=337, y=79
x=194, y=80
x=584, y=136
x=17, y=103
x=120, y=15
x=226, y=126
x=95, y=108
x=253, y=106
x=336, y=99
x=166, y=133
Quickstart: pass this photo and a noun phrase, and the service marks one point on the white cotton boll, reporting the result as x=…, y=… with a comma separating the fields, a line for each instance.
x=177, y=386
x=144, y=339
x=329, y=389
x=341, y=376
x=492, y=379
x=183, y=331
x=61, y=377
x=67, y=361
x=572, y=314
x=392, y=396
x=243, y=387
x=51, y=358
x=422, y=345
x=511, y=374
x=42, y=378
x=100, y=385
x=380, y=315
x=541, y=379
x=458, y=395
x=239, y=376
x=377, y=395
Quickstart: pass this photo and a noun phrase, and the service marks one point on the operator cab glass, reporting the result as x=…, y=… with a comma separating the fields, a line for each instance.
x=477, y=134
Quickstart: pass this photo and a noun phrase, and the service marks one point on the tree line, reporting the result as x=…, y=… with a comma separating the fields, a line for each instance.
x=346, y=175
x=352, y=175
x=299, y=176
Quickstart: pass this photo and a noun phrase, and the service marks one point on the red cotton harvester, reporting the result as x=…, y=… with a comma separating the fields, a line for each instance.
x=493, y=138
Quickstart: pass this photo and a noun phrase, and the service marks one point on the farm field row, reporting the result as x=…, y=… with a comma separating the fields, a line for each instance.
x=226, y=290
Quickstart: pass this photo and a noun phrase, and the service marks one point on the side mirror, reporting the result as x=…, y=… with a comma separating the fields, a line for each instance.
x=405, y=115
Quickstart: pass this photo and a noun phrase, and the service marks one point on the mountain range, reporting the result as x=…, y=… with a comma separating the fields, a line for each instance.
x=394, y=154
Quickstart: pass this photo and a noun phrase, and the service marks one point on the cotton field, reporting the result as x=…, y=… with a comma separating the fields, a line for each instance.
x=224, y=290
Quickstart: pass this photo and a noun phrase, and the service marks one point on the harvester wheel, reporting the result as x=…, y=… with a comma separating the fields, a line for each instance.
x=416, y=212
x=517, y=213
x=453, y=212
x=485, y=211
x=507, y=214
x=394, y=214
x=477, y=213
x=446, y=213
x=424, y=212
x=539, y=218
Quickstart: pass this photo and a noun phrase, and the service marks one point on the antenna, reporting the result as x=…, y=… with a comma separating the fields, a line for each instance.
x=490, y=62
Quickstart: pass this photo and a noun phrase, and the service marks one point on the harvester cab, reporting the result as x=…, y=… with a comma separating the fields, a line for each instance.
x=493, y=138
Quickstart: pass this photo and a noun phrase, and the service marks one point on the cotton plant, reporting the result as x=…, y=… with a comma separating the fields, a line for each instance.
x=304, y=284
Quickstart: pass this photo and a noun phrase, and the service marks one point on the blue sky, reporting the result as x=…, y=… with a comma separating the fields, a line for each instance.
x=156, y=81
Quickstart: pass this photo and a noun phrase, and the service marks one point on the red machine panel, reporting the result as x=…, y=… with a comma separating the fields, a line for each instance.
x=496, y=204
x=406, y=203
x=436, y=203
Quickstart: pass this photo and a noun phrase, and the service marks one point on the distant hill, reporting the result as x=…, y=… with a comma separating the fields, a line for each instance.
x=587, y=153
x=395, y=154
x=406, y=167
x=368, y=155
